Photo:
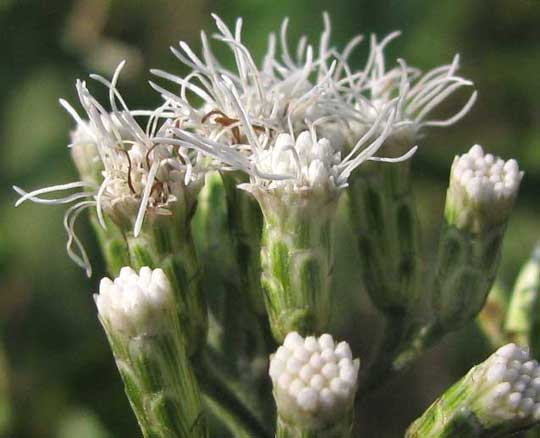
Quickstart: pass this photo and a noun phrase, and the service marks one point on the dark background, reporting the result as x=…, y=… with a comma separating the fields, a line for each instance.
x=57, y=376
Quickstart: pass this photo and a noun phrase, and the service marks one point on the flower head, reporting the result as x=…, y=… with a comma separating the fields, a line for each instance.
x=482, y=189
x=126, y=174
x=256, y=118
x=135, y=303
x=418, y=94
x=314, y=379
x=508, y=386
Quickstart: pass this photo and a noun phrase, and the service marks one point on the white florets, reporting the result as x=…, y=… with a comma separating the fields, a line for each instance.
x=513, y=382
x=314, y=379
x=135, y=304
x=485, y=177
x=309, y=162
x=482, y=190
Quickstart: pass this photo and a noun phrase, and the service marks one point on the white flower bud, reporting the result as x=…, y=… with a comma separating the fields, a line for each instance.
x=482, y=189
x=314, y=379
x=508, y=386
x=135, y=304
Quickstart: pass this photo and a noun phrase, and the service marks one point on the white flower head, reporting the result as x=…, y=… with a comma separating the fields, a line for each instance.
x=136, y=175
x=314, y=379
x=279, y=95
x=264, y=120
x=507, y=387
x=418, y=94
x=482, y=188
x=135, y=303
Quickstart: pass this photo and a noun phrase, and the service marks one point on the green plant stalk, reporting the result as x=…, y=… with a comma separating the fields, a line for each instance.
x=112, y=243
x=160, y=384
x=466, y=268
x=227, y=401
x=459, y=413
x=239, y=337
x=163, y=245
x=238, y=271
x=445, y=418
x=340, y=429
x=384, y=219
x=522, y=323
x=244, y=221
x=297, y=259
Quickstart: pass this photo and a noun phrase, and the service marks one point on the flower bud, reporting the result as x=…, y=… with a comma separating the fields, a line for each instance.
x=482, y=190
x=507, y=387
x=498, y=397
x=136, y=304
x=138, y=313
x=314, y=381
x=479, y=201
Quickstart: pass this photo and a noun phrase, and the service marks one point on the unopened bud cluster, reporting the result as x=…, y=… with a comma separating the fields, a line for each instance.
x=314, y=379
x=482, y=189
x=133, y=303
x=512, y=381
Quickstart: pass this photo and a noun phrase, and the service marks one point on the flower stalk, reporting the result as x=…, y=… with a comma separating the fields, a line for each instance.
x=522, y=323
x=245, y=228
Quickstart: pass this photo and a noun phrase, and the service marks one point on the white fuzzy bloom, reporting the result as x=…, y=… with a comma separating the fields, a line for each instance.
x=135, y=304
x=509, y=386
x=310, y=162
x=249, y=114
x=281, y=94
x=292, y=163
x=314, y=379
x=418, y=94
x=482, y=188
x=125, y=173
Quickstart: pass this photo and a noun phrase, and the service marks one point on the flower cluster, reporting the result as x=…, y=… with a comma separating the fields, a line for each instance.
x=293, y=129
x=512, y=384
x=482, y=188
x=261, y=120
x=135, y=304
x=314, y=379
x=125, y=173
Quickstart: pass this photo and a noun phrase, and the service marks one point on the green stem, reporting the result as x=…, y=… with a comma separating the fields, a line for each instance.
x=226, y=403
x=384, y=220
x=466, y=267
x=112, y=243
x=161, y=245
x=244, y=220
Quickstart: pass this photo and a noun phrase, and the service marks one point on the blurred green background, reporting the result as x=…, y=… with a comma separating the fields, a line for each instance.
x=57, y=376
